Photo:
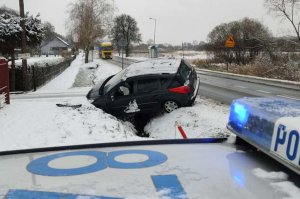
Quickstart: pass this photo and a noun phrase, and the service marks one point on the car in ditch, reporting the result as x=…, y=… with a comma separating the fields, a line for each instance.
x=149, y=86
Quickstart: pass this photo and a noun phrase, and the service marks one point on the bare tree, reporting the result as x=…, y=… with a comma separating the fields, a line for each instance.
x=89, y=20
x=125, y=28
x=288, y=9
x=251, y=38
x=49, y=31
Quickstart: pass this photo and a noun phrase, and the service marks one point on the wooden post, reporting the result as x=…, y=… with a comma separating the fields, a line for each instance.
x=33, y=78
x=23, y=46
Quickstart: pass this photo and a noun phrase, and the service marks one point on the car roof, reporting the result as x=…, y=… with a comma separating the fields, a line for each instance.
x=151, y=67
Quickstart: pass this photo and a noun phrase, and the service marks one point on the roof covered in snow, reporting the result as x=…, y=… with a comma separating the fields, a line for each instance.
x=53, y=39
x=152, y=66
x=60, y=39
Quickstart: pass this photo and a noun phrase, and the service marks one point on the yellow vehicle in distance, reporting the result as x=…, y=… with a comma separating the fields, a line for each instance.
x=106, y=50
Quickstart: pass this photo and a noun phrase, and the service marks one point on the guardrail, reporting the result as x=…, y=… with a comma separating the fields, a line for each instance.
x=252, y=79
x=126, y=61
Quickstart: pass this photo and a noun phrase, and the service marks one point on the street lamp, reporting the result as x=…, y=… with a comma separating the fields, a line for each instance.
x=154, y=27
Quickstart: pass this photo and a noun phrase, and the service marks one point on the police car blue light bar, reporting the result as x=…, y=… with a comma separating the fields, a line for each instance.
x=271, y=125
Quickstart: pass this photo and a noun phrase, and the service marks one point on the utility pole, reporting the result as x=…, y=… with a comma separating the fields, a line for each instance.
x=23, y=45
x=154, y=27
x=22, y=15
x=182, y=50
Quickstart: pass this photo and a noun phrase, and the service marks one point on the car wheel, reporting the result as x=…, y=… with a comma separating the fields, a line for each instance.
x=170, y=106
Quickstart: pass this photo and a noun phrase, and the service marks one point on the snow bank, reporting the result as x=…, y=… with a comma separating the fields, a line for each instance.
x=40, y=123
x=206, y=119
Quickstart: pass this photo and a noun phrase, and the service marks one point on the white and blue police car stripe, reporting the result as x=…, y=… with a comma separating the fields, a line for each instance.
x=286, y=140
x=41, y=166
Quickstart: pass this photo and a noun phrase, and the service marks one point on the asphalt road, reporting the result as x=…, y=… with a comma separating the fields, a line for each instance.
x=225, y=90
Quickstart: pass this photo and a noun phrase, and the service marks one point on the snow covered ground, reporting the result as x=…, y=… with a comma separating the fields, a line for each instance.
x=33, y=123
x=206, y=119
x=37, y=122
x=188, y=55
x=279, y=181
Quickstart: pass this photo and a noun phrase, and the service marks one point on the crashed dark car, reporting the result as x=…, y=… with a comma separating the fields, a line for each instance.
x=147, y=87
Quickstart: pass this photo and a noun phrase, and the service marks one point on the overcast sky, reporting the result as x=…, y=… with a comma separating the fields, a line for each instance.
x=177, y=20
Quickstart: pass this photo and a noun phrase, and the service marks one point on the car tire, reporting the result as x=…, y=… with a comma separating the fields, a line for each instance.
x=170, y=105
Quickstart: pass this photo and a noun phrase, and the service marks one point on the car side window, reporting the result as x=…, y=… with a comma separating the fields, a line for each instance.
x=124, y=89
x=147, y=85
x=164, y=82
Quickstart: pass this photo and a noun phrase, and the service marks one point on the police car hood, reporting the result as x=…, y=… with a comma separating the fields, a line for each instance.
x=198, y=170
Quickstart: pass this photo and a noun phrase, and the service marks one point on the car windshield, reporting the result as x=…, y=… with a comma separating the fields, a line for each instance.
x=107, y=48
x=86, y=86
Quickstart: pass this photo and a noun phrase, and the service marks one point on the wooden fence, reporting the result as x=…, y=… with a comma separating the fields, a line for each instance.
x=37, y=76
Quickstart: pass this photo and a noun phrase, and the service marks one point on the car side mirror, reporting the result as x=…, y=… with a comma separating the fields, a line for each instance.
x=112, y=98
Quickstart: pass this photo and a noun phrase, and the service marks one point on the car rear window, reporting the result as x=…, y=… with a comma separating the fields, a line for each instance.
x=147, y=85
x=184, y=71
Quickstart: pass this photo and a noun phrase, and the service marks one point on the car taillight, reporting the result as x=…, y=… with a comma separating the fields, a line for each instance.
x=181, y=90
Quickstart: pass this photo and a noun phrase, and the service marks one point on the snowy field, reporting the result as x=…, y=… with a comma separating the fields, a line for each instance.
x=188, y=55
x=38, y=122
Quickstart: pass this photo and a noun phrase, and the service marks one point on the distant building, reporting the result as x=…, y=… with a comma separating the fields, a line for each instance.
x=54, y=46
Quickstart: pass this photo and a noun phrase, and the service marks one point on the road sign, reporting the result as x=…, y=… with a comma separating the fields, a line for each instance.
x=122, y=42
x=230, y=43
x=24, y=56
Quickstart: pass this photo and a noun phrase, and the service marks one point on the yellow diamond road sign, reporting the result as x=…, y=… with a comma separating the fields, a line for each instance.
x=230, y=43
